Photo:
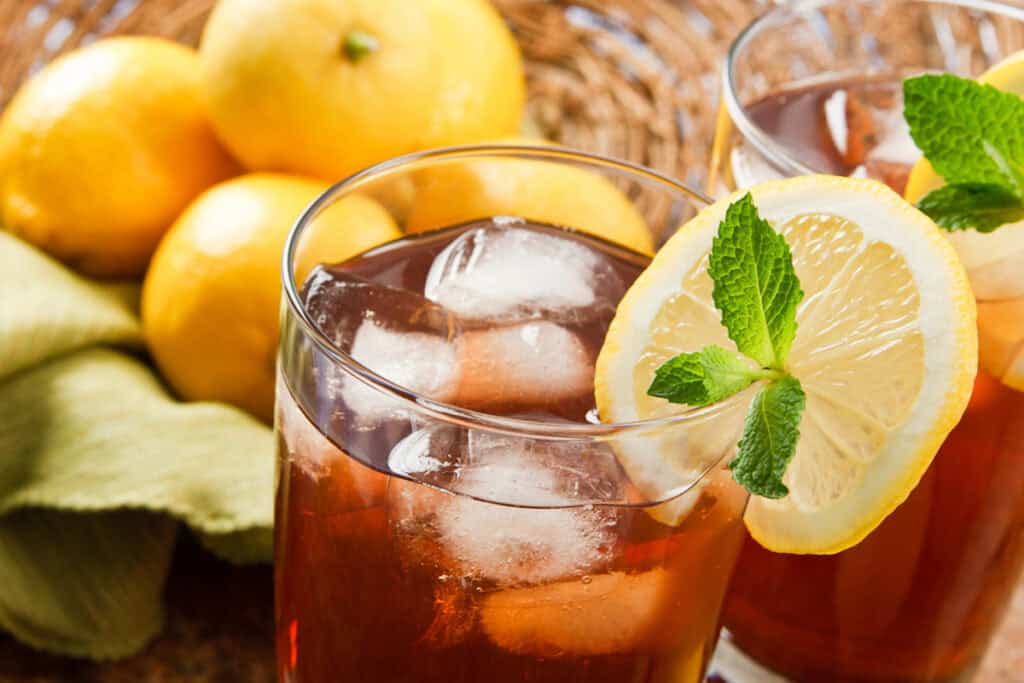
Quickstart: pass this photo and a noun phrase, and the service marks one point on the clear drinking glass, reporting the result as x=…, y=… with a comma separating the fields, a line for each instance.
x=448, y=508
x=815, y=87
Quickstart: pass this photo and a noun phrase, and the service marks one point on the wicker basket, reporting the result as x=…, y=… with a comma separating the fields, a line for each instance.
x=636, y=79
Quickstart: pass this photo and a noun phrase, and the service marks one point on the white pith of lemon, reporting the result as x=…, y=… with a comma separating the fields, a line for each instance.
x=994, y=261
x=886, y=351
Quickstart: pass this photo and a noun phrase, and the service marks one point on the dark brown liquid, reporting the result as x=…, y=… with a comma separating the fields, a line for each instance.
x=360, y=599
x=796, y=118
x=372, y=584
x=919, y=598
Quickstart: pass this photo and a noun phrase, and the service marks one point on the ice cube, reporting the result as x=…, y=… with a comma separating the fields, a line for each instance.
x=502, y=271
x=835, y=120
x=511, y=546
x=340, y=303
x=430, y=455
x=483, y=530
x=859, y=124
x=599, y=615
x=893, y=141
x=509, y=470
x=869, y=132
x=396, y=333
x=519, y=545
x=421, y=346
x=421, y=362
x=894, y=153
x=536, y=366
x=531, y=472
x=866, y=125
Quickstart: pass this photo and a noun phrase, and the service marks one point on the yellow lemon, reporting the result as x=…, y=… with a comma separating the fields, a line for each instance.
x=210, y=301
x=542, y=191
x=103, y=148
x=994, y=261
x=328, y=87
x=885, y=351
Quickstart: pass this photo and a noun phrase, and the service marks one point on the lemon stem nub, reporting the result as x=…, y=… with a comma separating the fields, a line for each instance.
x=359, y=44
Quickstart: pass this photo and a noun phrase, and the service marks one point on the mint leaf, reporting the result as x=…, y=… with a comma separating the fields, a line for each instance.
x=983, y=207
x=756, y=289
x=704, y=377
x=770, y=434
x=1012, y=171
x=965, y=129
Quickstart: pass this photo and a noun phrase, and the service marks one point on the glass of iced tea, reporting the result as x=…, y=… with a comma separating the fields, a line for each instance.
x=816, y=87
x=448, y=507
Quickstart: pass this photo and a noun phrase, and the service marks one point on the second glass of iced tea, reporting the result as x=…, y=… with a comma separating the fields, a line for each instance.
x=816, y=87
x=448, y=508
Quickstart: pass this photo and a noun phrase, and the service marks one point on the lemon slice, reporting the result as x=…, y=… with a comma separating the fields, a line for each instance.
x=994, y=261
x=886, y=352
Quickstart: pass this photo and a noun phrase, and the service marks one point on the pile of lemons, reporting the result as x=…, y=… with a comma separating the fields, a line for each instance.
x=137, y=157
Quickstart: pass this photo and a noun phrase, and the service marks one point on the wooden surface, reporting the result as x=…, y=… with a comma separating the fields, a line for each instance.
x=220, y=630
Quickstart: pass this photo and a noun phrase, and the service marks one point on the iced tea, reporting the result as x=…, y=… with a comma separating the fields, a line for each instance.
x=919, y=598
x=420, y=543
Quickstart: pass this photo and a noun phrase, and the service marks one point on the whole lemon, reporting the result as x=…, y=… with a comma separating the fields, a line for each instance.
x=211, y=298
x=328, y=87
x=103, y=148
x=543, y=191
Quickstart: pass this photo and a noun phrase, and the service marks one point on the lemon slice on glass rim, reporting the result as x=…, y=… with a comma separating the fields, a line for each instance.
x=994, y=260
x=885, y=349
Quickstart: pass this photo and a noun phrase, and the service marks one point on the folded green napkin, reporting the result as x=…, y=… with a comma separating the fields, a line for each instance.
x=99, y=466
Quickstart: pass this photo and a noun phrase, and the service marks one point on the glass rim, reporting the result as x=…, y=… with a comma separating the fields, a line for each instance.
x=775, y=153
x=438, y=409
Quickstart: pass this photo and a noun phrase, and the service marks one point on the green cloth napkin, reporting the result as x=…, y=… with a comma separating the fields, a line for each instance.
x=99, y=465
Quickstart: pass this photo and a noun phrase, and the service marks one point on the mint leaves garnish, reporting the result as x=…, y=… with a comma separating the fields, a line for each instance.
x=971, y=135
x=770, y=433
x=981, y=206
x=756, y=290
x=705, y=377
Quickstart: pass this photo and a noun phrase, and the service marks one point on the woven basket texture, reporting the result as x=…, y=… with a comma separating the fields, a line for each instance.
x=636, y=79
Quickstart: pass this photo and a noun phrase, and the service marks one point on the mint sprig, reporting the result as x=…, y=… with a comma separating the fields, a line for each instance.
x=756, y=291
x=971, y=135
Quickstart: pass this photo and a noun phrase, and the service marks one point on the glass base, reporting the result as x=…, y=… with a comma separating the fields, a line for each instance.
x=731, y=665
